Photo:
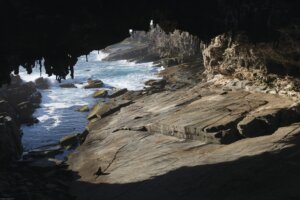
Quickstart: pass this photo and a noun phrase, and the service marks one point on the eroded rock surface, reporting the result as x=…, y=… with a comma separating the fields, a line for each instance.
x=147, y=144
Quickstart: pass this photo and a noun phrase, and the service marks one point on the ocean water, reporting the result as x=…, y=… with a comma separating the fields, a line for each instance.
x=58, y=116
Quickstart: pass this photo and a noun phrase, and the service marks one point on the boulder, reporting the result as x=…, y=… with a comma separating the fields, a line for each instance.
x=93, y=84
x=16, y=95
x=42, y=83
x=68, y=85
x=104, y=109
x=117, y=93
x=100, y=94
x=83, y=109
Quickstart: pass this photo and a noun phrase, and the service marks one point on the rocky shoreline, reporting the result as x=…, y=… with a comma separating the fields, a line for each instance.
x=209, y=129
x=196, y=132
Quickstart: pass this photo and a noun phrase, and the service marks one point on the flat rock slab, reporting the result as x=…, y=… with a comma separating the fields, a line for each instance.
x=103, y=109
x=179, y=154
x=189, y=169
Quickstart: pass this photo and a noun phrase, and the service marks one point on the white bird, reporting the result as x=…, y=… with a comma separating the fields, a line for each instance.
x=151, y=22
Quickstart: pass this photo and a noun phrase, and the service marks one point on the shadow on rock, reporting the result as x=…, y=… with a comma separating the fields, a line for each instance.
x=270, y=175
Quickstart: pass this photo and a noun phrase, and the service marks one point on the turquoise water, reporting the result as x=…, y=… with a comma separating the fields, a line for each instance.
x=58, y=116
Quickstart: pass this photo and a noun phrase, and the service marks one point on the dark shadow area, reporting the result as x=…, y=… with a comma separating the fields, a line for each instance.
x=60, y=31
x=271, y=175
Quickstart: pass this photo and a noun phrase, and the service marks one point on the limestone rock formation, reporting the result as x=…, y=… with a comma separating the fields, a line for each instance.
x=148, y=141
x=263, y=64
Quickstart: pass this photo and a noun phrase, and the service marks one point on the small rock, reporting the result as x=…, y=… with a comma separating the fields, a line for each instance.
x=272, y=92
x=156, y=83
x=93, y=84
x=118, y=93
x=42, y=83
x=83, y=109
x=100, y=94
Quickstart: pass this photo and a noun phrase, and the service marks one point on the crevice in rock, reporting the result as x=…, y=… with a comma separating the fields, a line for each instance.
x=137, y=128
x=115, y=157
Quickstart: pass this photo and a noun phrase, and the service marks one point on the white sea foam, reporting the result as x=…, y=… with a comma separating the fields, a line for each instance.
x=57, y=114
x=43, y=118
x=101, y=55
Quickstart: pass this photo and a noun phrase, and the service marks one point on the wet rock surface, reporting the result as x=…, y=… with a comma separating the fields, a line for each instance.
x=100, y=94
x=83, y=109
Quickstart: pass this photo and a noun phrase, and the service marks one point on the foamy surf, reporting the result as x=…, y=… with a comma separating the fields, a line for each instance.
x=58, y=116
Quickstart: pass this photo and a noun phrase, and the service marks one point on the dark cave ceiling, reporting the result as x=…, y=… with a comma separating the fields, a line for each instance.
x=60, y=31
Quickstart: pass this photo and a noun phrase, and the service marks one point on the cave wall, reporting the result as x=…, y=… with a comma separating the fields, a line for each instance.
x=60, y=31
